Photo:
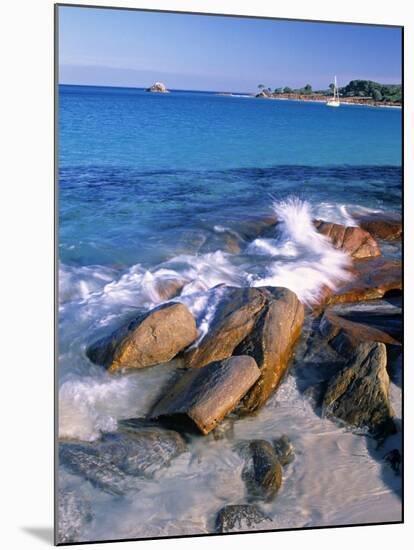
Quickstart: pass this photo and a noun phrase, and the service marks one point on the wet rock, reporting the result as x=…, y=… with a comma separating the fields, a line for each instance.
x=270, y=343
x=357, y=242
x=284, y=450
x=254, y=227
x=205, y=396
x=73, y=515
x=372, y=278
x=262, y=473
x=157, y=87
x=239, y=517
x=381, y=226
x=358, y=395
x=394, y=459
x=170, y=287
x=142, y=452
x=107, y=463
x=150, y=339
x=344, y=335
x=85, y=461
x=234, y=320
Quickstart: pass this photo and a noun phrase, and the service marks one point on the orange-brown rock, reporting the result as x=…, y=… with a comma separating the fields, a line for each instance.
x=234, y=320
x=169, y=287
x=148, y=340
x=387, y=228
x=355, y=241
x=270, y=343
x=205, y=396
x=372, y=279
x=345, y=335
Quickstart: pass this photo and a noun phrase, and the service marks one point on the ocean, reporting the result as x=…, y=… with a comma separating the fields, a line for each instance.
x=157, y=186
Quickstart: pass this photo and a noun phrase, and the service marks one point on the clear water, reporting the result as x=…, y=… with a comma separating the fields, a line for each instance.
x=148, y=186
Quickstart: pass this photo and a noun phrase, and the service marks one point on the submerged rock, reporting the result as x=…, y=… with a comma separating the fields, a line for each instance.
x=73, y=515
x=85, y=461
x=234, y=320
x=284, y=450
x=357, y=242
x=262, y=473
x=372, y=278
x=170, y=287
x=358, y=395
x=142, y=452
x=205, y=396
x=394, y=459
x=157, y=87
x=239, y=517
x=270, y=343
x=107, y=463
x=153, y=338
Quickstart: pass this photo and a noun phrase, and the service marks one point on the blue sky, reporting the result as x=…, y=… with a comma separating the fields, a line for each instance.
x=133, y=48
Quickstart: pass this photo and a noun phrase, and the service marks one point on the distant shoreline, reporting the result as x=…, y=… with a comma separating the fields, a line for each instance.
x=314, y=98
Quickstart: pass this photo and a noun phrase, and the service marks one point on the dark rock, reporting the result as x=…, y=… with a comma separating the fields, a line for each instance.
x=262, y=473
x=284, y=450
x=270, y=343
x=107, y=463
x=233, y=321
x=394, y=459
x=357, y=242
x=239, y=517
x=358, y=395
x=153, y=338
x=142, y=452
x=205, y=396
x=84, y=460
x=73, y=515
x=345, y=335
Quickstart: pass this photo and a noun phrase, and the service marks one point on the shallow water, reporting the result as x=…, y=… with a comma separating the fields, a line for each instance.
x=150, y=188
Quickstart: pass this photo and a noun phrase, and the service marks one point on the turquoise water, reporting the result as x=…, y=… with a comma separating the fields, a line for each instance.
x=137, y=170
x=152, y=187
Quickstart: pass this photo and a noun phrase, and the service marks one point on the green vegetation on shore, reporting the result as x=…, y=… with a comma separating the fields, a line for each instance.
x=365, y=90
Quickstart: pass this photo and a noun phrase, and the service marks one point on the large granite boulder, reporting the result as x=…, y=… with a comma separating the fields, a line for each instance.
x=270, y=343
x=150, y=339
x=157, y=87
x=355, y=241
x=234, y=320
x=240, y=517
x=262, y=472
x=358, y=395
x=205, y=396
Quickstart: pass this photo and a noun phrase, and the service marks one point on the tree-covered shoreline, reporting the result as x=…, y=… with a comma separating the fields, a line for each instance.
x=361, y=90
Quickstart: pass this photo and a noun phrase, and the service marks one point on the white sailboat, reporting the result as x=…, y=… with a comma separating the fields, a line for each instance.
x=334, y=102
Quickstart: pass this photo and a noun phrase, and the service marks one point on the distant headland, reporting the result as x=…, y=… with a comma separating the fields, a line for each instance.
x=361, y=92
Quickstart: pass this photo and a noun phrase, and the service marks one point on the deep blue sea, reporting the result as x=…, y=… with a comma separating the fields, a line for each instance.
x=137, y=169
x=154, y=187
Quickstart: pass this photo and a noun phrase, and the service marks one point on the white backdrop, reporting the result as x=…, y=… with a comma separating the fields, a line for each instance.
x=26, y=305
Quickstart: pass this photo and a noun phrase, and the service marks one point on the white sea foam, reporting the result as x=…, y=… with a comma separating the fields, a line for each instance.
x=317, y=263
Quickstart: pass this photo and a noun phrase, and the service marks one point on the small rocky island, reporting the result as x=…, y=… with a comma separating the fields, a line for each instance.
x=158, y=87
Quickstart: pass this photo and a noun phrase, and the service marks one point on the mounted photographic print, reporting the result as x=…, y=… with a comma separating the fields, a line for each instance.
x=228, y=250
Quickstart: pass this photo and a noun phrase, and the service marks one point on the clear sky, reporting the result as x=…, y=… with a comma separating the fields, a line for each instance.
x=133, y=48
